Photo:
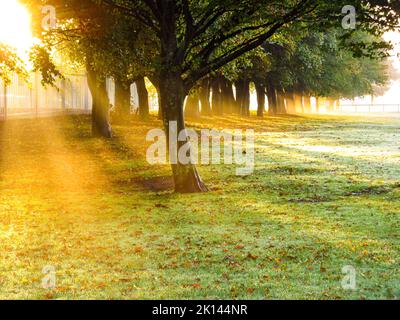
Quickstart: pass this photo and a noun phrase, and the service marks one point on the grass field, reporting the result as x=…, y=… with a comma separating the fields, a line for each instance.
x=325, y=193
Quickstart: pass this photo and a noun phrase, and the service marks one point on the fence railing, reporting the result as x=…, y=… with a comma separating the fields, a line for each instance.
x=72, y=95
x=370, y=108
x=24, y=98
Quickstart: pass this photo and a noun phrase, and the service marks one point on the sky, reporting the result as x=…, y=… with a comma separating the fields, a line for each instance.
x=393, y=95
x=15, y=26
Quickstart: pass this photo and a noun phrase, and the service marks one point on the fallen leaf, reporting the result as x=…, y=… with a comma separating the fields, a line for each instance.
x=229, y=258
x=251, y=256
x=159, y=205
x=137, y=249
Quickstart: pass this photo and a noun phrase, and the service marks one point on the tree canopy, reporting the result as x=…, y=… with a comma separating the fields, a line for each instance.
x=10, y=62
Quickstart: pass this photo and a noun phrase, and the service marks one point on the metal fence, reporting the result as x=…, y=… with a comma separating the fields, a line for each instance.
x=370, y=108
x=29, y=99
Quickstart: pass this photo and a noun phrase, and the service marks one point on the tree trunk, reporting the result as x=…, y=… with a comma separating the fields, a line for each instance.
x=63, y=91
x=186, y=177
x=160, y=113
x=290, y=102
x=331, y=104
x=217, y=107
x=172, y=94
x=246, y=102
x=317, y=102
x=143, y=98
x=272, y=103
x=156, y=84
x=298, y=103
x=243, y=97
x=239, y=96
x=204, y=94
x=101, y=105
x=122, y=99
x=307, y=103
x=260, y=89
x=192, y=105
x=280, y=101
x=337, y=107
x=228, y=98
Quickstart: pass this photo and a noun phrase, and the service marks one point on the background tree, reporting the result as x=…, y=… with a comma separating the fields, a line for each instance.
x=10, y=63
x=105, y=44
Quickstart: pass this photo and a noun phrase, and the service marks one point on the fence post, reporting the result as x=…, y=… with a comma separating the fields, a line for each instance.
x=5, y=101
x=36, y=94
x=72, y=106
x=63, y=88
x=86, y=95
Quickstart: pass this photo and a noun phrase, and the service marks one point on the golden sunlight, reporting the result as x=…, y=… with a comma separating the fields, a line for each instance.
x=15, y=26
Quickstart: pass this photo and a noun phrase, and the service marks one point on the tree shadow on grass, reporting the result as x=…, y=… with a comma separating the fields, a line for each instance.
x=279, y=248
x=324, y=191
x=268, y=123
x=123, y=160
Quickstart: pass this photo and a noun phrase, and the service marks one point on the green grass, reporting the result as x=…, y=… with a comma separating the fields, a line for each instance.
x=324, y=194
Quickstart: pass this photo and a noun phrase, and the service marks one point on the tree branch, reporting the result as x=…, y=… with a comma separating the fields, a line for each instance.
x=209, y=66
x=137, y=13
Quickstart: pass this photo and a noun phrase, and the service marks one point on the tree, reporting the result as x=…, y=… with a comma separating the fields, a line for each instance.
x=345, y=73
x=319, y=63
x=106, y=44
x=277, y=74
x=10, y=62
x=76, y=38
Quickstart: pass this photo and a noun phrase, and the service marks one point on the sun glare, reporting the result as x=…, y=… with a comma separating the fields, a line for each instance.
x=394, y=37
x=15, y=26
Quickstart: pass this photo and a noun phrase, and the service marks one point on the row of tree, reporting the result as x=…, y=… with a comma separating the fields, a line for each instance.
x=289, y=50
x=289, y=72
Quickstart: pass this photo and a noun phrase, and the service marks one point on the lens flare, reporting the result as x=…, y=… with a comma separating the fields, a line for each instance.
x=15, y=26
